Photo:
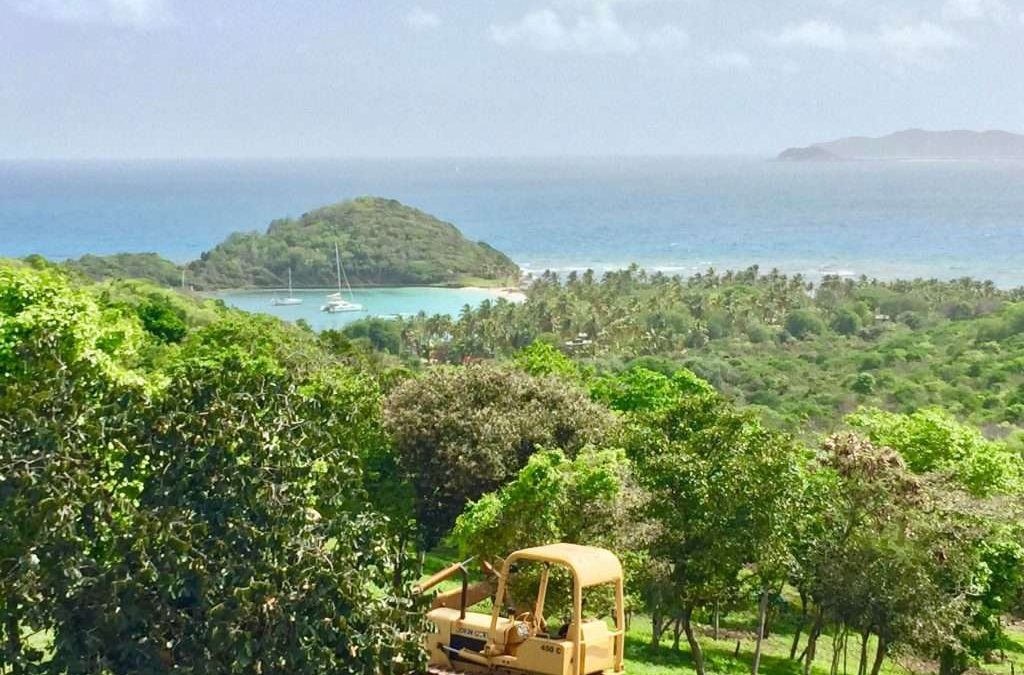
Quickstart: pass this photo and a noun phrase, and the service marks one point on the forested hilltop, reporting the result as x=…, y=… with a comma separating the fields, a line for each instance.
x=185, y=488
x=382, y=242
x=145, y=266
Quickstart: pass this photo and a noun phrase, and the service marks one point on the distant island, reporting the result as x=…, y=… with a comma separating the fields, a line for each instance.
x=383, y=243
x=914, y=144
x=809, y=154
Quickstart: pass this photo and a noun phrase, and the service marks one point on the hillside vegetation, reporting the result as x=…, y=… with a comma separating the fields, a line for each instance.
x=382, y=242
x=186, y=488
x=801, y=354
x=148, y=266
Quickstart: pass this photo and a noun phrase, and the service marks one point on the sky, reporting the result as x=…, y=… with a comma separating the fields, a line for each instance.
x=460, y=78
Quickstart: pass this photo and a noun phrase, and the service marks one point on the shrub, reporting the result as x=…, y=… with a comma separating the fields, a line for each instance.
x=847, y=322
x=863, y=383
x=541, y=358
x=759, y=333
x=160, y=320
x=802, y=323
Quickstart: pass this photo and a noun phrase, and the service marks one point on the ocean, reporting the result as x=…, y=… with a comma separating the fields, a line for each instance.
x=680, y=215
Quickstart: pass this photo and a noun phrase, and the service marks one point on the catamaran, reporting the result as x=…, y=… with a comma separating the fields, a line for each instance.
x=291, y=299
x=336, y=302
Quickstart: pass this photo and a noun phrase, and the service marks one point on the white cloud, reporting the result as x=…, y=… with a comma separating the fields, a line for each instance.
x=913, y=41
x=905, y=42
x=976, y=10
x=418, y=18
x=588, y=27
x=729, y=60
x=598, y=32
x=814, y=33
x=126, y=13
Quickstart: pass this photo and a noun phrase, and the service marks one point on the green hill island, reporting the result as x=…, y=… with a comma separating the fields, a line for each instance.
x=382, y=243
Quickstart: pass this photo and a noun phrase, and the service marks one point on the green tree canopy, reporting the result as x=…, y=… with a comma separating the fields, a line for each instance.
x=932, y=440
x=462, y=432
x=723, y=490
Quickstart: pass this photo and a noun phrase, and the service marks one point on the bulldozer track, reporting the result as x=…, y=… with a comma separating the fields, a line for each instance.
x=434, y=670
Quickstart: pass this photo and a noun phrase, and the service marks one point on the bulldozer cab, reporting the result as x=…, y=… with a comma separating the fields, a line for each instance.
x=515, y=637
x=599, y=647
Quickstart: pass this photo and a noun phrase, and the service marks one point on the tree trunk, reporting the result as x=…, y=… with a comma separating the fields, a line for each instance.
x=397, y=581
x=762, y=618
x=862, y=667
x=837, y=647
x=677, y=631
x=657, y=626
x=846, y=652
x=952, y=662
x=812, y=641
x=880, y=651
x=695, y=651
x=946, y=661
x=714, y=620
x=799, y=626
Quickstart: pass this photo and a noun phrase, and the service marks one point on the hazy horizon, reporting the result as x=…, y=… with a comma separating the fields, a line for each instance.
x=766, y=155
x=180, y=79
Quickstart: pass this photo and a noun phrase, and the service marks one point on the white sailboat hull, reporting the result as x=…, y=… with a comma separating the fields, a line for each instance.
x=291, y=299
x=343, y=306
x=336, y=302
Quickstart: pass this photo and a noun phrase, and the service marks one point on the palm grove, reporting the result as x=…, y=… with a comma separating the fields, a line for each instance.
x=188, y=488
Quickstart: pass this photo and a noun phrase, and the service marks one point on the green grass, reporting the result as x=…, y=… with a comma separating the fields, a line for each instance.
x=643, y=659
x=720, y=655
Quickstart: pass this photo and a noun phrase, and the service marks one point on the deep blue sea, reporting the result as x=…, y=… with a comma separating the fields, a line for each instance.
x=894, y=219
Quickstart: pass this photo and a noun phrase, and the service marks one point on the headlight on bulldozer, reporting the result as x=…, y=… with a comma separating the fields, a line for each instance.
x=518, y=633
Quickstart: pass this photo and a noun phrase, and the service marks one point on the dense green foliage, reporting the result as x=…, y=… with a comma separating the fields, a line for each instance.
x=148, y=266
x=187, y=488
x=382, y=242
x=931, y=440
x=553, y=498
x=803, y=355
x=196, y=508
x=461, y=432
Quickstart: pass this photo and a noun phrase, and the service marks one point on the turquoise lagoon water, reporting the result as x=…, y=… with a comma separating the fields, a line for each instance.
x=376, y=301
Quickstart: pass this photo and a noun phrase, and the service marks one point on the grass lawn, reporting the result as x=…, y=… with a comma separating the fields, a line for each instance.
x=719, y=655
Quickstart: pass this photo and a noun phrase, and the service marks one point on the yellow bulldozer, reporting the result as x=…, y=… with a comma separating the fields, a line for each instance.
x=520, y=641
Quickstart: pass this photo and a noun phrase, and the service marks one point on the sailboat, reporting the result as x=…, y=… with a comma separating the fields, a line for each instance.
x=291, y=299
x=336, y=302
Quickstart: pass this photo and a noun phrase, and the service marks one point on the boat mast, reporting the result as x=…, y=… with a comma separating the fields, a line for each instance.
x=337, y=263
x=351, y=296
x=290, y=294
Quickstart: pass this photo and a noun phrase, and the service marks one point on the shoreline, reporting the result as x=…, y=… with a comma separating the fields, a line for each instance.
x=510, y=293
